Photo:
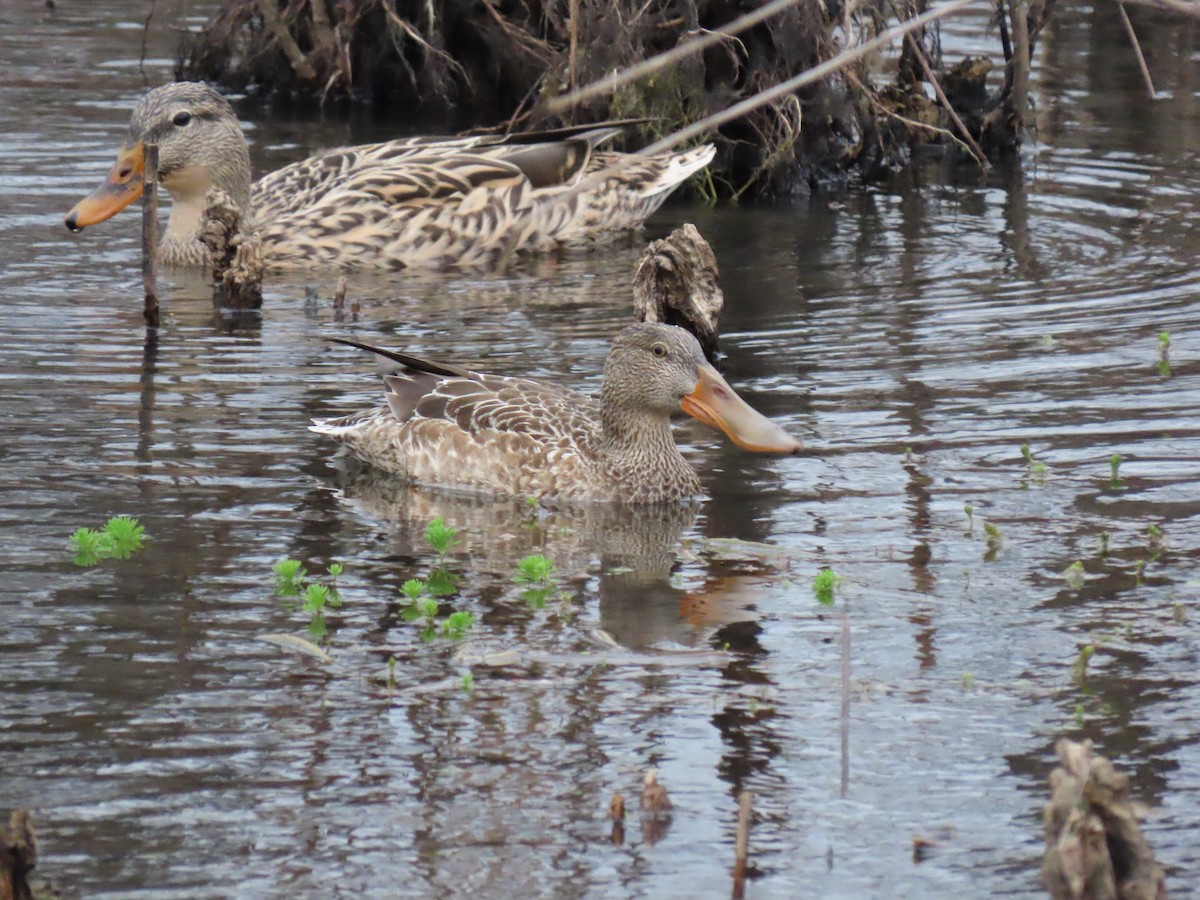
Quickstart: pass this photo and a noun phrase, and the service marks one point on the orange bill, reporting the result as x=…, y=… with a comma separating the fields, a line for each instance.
x=122, y=186
x=714, y=403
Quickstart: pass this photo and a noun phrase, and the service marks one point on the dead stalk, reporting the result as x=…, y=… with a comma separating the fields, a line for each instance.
x=150, y=236
x=825, y=69
x=1137, y=50
x=741, y=844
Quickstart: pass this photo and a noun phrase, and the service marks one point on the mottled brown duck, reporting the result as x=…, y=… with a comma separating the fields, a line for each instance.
x=412, y=202
x=460, y=430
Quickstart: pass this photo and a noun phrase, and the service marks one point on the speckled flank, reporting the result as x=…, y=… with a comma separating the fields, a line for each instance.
x=413, y=202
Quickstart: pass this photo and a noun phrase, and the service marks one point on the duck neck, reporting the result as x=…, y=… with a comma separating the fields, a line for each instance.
x=640, y=454
x=189, y=186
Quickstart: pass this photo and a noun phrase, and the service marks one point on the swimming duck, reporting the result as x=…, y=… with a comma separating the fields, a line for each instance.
x=412, y=202
x=452, y=428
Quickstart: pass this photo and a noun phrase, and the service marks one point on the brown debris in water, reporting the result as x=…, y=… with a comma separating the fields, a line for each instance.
x=236, y=251
x=654, y=795
x=1095, y=849
x=677, y=283
x=616, y=812
x=18, y=857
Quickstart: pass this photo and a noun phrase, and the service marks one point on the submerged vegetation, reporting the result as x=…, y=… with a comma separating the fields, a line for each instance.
x=731, y=74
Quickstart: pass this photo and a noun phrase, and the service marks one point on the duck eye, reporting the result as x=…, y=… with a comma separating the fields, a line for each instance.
x=659, y=349
x=182, y=118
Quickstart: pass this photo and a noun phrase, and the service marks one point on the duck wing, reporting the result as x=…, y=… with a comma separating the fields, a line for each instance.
x=479, y=405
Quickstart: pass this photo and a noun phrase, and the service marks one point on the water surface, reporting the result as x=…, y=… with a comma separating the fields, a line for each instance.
x=915, y=334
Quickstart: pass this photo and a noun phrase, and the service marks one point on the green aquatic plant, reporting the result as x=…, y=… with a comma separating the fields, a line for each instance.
x=995, y=539
x=824, y=584
x=970, y=511
x=290, y=577
x=539, y=573
x=457, y=624
x=1114, y=464
x=1036, y=468
x=1075, y=575
x=440, y=536
x=391, y=676
x=1079, y=668
x=292, y=580
x=468, y=682
x=1164, y=353
x=121, y=537
x=1103, y=543
x=968, y=681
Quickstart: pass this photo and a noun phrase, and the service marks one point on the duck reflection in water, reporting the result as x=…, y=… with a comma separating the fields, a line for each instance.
x=632, y=552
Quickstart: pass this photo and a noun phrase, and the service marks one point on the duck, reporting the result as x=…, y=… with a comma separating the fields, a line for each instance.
x=420, y=201
x=451, y=428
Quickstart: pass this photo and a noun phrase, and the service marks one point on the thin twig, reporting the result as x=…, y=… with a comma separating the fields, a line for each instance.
x=145, y=40
x=1137, y=50
x=741, y=843
x=845, y=729
x=942, y=99
x=150, y=235
x=912, y=123
x=816, y=73
x=610, y=83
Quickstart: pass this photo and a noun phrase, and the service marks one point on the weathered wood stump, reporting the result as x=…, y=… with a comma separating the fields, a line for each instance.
x=676, y=282
x=1095, y=849
x=18, y=856
x=236, y=252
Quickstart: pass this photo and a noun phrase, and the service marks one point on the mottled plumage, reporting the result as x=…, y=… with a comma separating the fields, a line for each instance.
x=462, y=430
x=410, y=202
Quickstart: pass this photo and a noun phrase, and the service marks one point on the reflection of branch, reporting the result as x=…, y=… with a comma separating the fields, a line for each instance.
x=300, y=63
x=829, y=67
x=1137, y=50
x=941, y=95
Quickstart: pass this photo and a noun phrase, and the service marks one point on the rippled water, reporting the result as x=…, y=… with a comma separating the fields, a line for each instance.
x=916, y=334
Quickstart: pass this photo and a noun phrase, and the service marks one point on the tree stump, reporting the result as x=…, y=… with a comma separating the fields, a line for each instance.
x=1095, y=849
x=676, y=283
x=18, y=856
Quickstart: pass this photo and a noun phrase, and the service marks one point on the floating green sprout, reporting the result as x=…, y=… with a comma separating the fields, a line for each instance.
x=1036, y=468
x=968, y=680
x=995, y=538
x=970, y=511
x=539, y=573
x=1079, y=668
x=291, y=580
x=391, y=678
x=121, y=537
x=440, y=536
x=1114, y=463
x=457, y=625
x=825, y=582
x=468, y=682
x=1075, y=575
x=1164, y=353
x=290, y=577
x=1104, y=543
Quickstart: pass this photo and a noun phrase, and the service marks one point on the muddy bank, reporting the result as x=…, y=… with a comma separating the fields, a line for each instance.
x=485, y=63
